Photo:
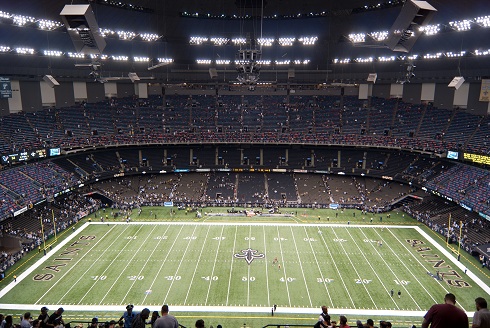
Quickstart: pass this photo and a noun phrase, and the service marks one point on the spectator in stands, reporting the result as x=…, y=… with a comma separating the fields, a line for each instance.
x=323, y=319
x=140, y=320
x=445, y=315
x=9, y=322
x=43, y=317
x=343, y=322
x=154, y=316
x=481, y=318
x=26, y=321
x=200, y=323
x=369, y=323
x=95, y=323
x=56, y=318
x=166, y=320
x=128, y=316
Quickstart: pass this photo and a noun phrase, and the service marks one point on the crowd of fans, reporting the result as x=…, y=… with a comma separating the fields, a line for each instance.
x=259, y=119
x=57, y=216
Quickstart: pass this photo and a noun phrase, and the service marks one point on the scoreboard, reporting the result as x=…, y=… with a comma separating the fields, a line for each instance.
x=25, y=156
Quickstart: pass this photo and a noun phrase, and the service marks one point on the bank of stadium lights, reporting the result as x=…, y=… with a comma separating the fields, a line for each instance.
x=364, y=60
x=102, y=57
x=120, y=58
x=165, y=60
x=52, y=53
x=197, y=40
x=4, y=14
x=21, y=20
x=411, y=57
x=48, y=25
x=433, y=56
x=138, y=59
x=126, y=35
x=283, y=62
x=239, y=41
x=308, y=40
x=150, y=37
x=462, y=25
x=286, y=41
x=386, y=59
x=265, y=42
x=357, y=37
x=217, y=41
x=482, y=52
x=76, y=55
x=483, y=21
x=264, y=62
x=24, y=51
x=379, y=36
x=203, y=61
x=451, y=54
x=301, y=62
x=223, y=62
x=341, y=61
x=4, y=49
x=105, y=32
x=430, y=29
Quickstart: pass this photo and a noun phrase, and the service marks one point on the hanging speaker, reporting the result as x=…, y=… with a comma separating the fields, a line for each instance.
x=213, y=73
x=456, y=82
x=406, y=29
x=51, y=81
x=372, y=77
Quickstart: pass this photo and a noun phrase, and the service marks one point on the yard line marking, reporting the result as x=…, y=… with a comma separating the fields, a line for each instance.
x=214, y=265
x=180, y=263
x=357, y=273
x=73, y=266
x=403, y=263
x=422, y=265
x=373, y=269
x=318, y=265
x=122, y=271
x=146, y=262
x=231, y=265
x=164, y=261
x=283, y=266
x=266, y=270
x=248, y=268
x=301, y=266
x=196, y=266
x=337, y=270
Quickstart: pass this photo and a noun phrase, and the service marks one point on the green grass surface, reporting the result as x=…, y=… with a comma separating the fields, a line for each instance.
x=199, y=262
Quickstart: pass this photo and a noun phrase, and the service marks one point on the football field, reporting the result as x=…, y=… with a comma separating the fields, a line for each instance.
x=245, y=267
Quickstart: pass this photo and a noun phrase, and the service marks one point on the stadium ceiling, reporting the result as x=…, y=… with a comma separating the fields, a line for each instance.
x=173, y=23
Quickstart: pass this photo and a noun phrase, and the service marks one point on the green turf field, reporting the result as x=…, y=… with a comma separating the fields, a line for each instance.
x=244, y=265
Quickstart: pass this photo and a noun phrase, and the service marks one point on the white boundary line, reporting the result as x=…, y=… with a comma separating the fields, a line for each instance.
x=241, y=309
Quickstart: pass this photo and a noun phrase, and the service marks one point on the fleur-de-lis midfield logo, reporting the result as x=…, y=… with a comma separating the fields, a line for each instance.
x=249, y=255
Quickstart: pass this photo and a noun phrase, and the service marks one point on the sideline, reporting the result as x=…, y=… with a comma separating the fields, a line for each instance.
x=453, y=259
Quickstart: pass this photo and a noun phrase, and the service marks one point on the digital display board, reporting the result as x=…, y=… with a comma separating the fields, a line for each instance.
x=5, y=87
x=24, y=156
x=477, y=158
x=452, y=154
x=54, y=151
